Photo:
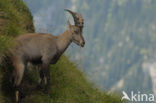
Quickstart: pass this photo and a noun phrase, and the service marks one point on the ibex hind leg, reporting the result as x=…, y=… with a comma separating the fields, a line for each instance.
x=19, y=71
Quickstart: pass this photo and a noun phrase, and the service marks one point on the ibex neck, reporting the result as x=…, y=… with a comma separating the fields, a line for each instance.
x=64, y=41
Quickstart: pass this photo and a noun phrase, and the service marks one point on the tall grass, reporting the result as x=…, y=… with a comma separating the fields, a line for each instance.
x=15, y=19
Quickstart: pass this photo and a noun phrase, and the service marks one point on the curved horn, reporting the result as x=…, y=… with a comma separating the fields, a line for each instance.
x=77, y=18
x=72, y=13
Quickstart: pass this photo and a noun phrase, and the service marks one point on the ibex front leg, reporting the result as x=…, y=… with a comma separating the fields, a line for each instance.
x=41, y=78
x=45, y=69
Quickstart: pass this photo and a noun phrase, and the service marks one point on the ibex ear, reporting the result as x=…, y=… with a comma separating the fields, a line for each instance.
x=68, y=22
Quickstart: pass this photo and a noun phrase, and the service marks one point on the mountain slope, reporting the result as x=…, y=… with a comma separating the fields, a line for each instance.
x=67, y=83
x=120, y=40
x=69, y=86
x=127, y=29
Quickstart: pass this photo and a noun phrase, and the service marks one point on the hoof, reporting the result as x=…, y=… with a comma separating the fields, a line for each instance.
x=46, y=91
x=38, y=87
x=22, y=95
x=19, y=101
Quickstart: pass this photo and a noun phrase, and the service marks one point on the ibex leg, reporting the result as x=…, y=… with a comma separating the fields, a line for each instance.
x=19, y=71
x=46, y=73
x=41, y=78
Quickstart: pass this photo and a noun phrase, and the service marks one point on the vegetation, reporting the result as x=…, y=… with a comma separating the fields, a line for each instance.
x=67, y=83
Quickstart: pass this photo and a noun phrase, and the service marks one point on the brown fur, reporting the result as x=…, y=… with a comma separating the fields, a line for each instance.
x=43, y=49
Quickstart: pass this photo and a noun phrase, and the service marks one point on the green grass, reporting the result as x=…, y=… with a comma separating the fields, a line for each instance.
x=68, y=84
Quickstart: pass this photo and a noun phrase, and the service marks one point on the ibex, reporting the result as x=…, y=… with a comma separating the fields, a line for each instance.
x=44, y=49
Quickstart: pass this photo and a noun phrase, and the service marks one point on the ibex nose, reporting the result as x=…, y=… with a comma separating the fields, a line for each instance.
x=83, y=43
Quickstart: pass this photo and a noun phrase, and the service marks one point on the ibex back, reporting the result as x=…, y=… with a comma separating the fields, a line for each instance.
x=43, y=49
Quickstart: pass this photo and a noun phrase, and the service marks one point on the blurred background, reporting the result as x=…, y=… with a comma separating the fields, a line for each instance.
x=120, y=50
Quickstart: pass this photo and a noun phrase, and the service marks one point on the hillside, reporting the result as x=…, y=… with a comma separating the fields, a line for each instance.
x=120, y=51
x=68, y=85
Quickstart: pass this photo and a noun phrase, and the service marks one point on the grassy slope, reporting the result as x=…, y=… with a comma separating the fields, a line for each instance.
x=67, y=83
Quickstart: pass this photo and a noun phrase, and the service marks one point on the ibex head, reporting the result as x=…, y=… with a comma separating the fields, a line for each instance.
x=76, y=30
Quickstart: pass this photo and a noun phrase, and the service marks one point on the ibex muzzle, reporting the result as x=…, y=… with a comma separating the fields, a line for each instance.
x=43, y=49
x=76, y=35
